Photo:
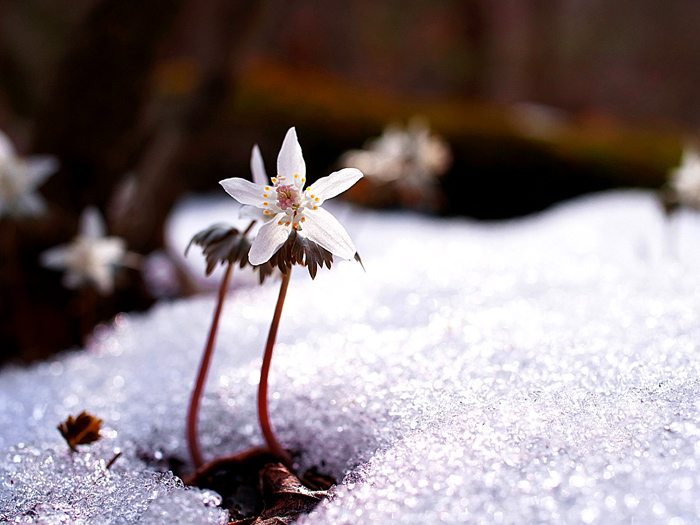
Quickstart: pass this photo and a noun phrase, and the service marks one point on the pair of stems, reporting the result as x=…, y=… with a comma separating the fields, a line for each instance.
x=263, y=415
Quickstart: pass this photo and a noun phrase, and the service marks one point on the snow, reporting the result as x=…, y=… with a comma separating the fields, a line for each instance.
x=536, y=370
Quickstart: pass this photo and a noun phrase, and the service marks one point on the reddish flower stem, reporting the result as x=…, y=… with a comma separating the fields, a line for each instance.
x=263, y=415
x=193, y=410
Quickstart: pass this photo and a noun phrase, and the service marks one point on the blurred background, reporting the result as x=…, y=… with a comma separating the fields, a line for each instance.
x=145, y=101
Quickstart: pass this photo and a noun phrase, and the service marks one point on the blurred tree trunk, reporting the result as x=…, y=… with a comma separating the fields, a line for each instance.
x=90, y=124
x=208, y=36
x=90, y=120
x=103, y=120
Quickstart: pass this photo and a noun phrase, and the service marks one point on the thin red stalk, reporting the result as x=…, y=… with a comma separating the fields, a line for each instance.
x=193, y=410
x=263, y=415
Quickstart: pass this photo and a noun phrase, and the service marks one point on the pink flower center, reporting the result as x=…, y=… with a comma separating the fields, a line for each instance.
x=287, y=197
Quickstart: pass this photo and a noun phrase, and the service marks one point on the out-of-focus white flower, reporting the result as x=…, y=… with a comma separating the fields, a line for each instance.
x=685, y=179
x=413, y=156
x=90, y=258
x=288, y=206
x=19, y=179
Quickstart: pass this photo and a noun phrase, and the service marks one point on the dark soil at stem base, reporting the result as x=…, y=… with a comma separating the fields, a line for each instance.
x=259, y=490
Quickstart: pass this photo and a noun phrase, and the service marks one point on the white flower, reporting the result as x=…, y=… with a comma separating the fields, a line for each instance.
x=685, y=179
x=288, y=206
x=19, y=178
x=90, y=258
x=413, y=156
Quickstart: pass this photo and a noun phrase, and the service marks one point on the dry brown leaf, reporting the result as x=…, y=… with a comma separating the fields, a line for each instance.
x=222, y=243
x=82, y=430
x=287, y=497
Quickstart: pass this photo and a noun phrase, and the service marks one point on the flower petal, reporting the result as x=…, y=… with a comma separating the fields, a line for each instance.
x=110, y=250
x=73, y=280
x=92, y=225
x=334, y=184
x=269, y=239
x=7, y=150
x=324, y=229
x=30, y=205
x=257, y=167
x=40, y=168
x=253, y=213
x=102, y=277
x=290, y=161
x=55, y=258
x=244, y=191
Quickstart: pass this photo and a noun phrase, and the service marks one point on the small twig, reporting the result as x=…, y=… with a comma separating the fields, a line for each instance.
x=108, y=466
x=111, y=461
x=193, y=410
x=263, y=415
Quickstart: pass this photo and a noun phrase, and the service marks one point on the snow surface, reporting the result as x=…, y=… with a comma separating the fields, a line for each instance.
x=537, y=370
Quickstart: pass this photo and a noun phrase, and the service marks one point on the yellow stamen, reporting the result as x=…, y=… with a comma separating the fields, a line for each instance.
x=303, y=180
x=265, y=195
x=267, y=188
x=316, y=199
x=302, y=219
x=286, y=223
x=266, y=212
x=295, y=224
x=315, y=208
x=280, y=223
x=264, y=203
x=274, y=179
x=296, y=176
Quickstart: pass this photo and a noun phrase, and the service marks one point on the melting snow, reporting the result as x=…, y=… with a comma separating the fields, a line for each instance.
x=537, y=370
